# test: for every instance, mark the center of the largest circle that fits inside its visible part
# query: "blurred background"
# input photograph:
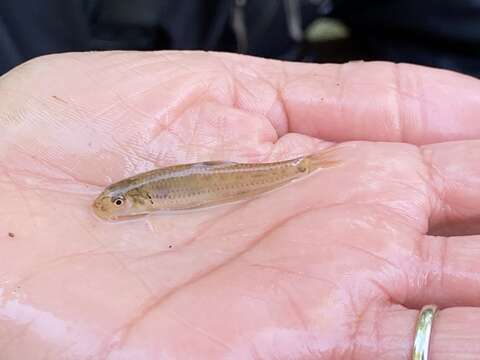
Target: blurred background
(439, 33)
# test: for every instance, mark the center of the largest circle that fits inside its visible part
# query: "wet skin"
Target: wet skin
(335, 266)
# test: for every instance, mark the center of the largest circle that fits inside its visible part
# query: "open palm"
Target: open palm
(334, 266)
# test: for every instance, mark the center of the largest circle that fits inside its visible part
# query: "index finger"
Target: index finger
(372, 101)
(382, 102)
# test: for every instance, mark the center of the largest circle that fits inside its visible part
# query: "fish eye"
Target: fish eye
(118, 201)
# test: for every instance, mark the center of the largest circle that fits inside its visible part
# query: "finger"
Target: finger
(452, 336)
(453, 333)
(382, 101)
(360, 100)
(377, 101)
(441, 270)
(454, 171)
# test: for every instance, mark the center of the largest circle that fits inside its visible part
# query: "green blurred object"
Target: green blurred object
(326, 29)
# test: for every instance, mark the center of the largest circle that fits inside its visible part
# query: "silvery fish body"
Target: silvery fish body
(199, 185)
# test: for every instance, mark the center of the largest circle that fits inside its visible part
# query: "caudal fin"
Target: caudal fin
(323, 159)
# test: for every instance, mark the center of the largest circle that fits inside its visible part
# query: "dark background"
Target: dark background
(439, 33)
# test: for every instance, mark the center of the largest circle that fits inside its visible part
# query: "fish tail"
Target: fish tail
(321, 160)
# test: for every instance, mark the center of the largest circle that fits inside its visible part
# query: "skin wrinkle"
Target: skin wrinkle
(123, 333)
(357, 325)
(94, 116)
(221, 126)
(153, 88)
(383, 289)
(416, 253)
(160, 129)
(403, 218)
(351, 336)
(369, 253)
(422, 113)
(190, 70)
(442, 213)
(85, 70)
(437, 184)
(203, 232)
(122, 66)
(376, 328)
(52, 263)
(235, 83)
(397, 114)
(153, 60)
(70, 104)
(129, 151)
(26, 201)
(239, 85)
(118, 125)
(295, 307)
(135, 70)
(194, 134)
(119, 262)
(291, 272)
(421, 224)
(125, 102)
(61, 259)
(77, 57)
(190, 105)
(30, 175)
(287, 116)
(402, 93)
(376, 325)
(124, 154)
(430, 274)
(279, 99)
(199, 330)
(32, 100)
(256, 298)
(162, 158)
(434, 262)
(443, 258)
(54, 167)
(230, 79)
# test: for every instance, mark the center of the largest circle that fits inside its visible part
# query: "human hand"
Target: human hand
(334, 267)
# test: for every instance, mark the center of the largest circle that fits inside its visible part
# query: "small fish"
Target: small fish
(200, 185)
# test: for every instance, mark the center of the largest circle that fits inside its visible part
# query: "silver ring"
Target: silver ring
(423, 331)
